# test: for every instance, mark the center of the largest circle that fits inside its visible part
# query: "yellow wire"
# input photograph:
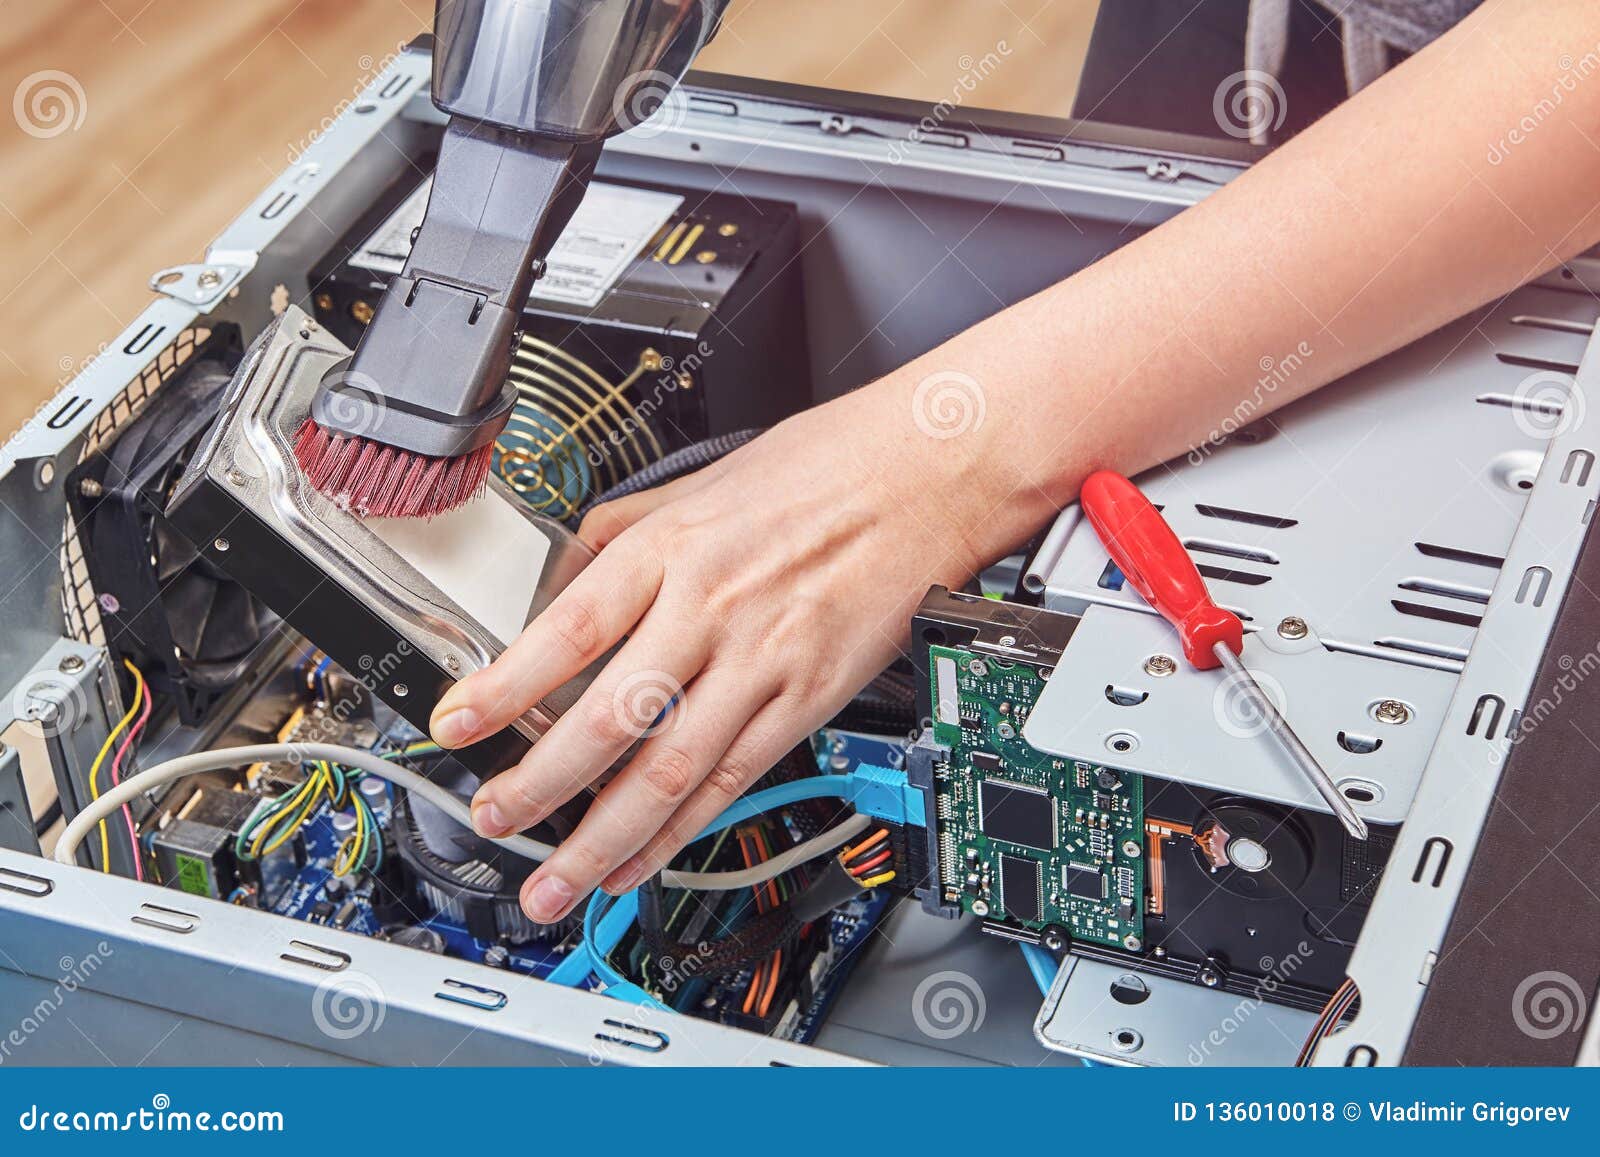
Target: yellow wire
(876, 880)
(94, 770)
(324, 781)
(308, 792)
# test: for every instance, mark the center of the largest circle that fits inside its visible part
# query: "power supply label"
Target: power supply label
(606, 233)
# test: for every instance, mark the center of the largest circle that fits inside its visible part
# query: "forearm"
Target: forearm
(1394, 214)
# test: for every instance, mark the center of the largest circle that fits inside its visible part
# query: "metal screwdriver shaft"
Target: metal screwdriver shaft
(1279, 726)
(1156, 565)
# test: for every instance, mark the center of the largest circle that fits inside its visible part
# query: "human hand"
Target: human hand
(757, 596)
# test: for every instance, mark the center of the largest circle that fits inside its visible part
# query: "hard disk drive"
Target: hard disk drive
(409, 606)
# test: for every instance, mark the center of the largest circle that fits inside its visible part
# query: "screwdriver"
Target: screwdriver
(1156, 565)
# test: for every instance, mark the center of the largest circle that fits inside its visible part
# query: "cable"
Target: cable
(818, 787)
(675, 465)
(48, 820)
(128, 741)
(1042, 965)
(94, 791)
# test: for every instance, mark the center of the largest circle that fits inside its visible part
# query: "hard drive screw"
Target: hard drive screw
(978, 667)
(1293, 627)
(1131, 849)
(980, 908)
(1054, 941)
(208, 279)
(1132, 943)
(1160, 665)
(1008, 640)
(1391, 711)
(89, 488)
(452, 663)
(221, 545)
(71, 665)
(236, 476)
(401, 690)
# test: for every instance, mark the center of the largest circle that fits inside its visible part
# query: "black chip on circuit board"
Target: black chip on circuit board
(1017, 814)
(1086, 883)
(1020, 888)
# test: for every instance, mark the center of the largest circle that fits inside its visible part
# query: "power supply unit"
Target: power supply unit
(664, 316)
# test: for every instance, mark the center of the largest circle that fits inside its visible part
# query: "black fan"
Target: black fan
(185, 624)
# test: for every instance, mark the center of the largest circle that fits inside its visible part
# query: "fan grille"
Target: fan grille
(573, 433)
(79, 607)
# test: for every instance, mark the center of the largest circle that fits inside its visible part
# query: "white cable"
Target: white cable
(186, 765)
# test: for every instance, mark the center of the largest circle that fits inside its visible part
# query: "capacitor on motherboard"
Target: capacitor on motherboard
(376, 793)
(343, 824)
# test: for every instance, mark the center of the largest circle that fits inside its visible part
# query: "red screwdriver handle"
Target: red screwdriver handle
(1154, 562)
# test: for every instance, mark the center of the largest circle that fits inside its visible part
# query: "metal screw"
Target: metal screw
(978, 667)
(1132, 943)
(1008, 640)
(1160, 665)
(1131, 849)
(361, 311)
(401, 690)
(1293, 627)
(89, 488)
(236, 476)
(71, 665)
(1054, 941)
(1391, 711)
(980, 908)
(221, 545)
(208, 279)
(452, 663)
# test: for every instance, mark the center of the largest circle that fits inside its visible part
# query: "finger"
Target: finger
(632, 698)
(767, 738)
(595, 610)
(634, 805)
(605, 522)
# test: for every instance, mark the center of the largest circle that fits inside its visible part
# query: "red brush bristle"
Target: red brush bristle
(378, 481)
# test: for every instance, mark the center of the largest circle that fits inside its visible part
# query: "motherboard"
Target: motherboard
(1053, 845)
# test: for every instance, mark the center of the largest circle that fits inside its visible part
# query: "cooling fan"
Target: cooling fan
(184, 623)
(573, 434)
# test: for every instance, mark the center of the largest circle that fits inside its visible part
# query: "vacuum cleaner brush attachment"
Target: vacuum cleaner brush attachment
(406, 428)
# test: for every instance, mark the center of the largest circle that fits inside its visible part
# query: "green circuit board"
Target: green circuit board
(1026, 838)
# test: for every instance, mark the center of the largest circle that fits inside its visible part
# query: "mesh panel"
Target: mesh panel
(78, 605)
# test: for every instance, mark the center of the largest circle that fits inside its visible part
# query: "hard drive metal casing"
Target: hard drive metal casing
(248, 510)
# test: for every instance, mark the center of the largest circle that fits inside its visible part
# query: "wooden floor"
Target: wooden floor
(177, 112)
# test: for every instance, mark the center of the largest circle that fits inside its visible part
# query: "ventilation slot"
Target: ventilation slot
(1223, 574)
(1437, 614)
(1471, 557)
(1525, 362)
(1271, 521)
(1554, 324)
(1231, 550)
(1419, 647)
(1446, 590)
(1526, 405)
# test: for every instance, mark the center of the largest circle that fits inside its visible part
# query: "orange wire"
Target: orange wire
(772, 982)
(880, 834)
(863, 869)
(755, 984)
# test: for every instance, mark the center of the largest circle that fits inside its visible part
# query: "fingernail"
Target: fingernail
(625, 878)
(547, 901)
(488, 820)
(455, 726)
